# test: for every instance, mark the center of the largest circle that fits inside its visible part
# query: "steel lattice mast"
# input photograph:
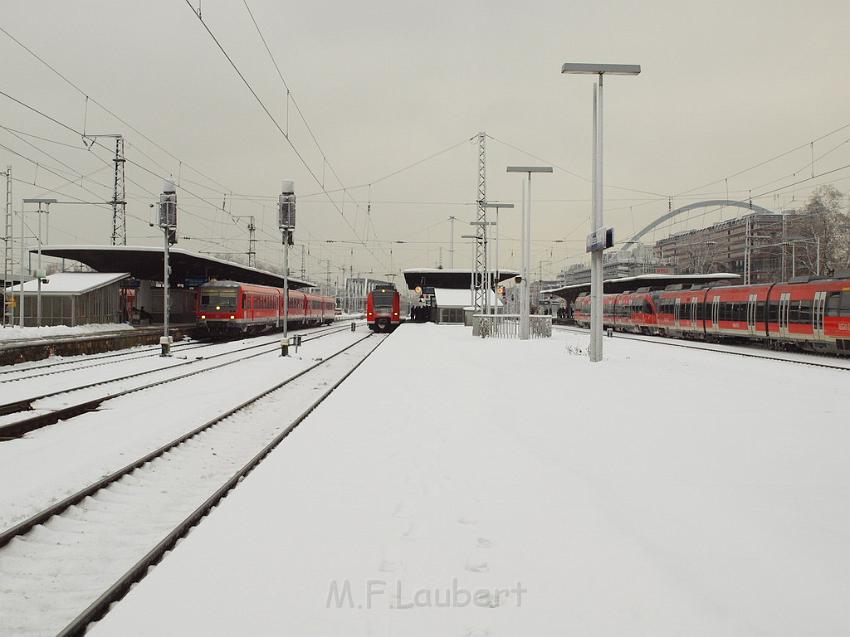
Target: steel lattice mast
(8, 255)
(480, 277)
(119, 194)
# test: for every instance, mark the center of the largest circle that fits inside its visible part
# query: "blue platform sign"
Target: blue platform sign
(194, 281)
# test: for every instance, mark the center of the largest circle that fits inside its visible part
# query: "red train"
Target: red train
(813, 314)
(233, 308)
(383, 305)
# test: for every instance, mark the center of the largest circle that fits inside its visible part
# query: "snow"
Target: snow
(53, 462)
(458, 298)
(666, 491)
(70, 282)
(17, 332)
(63, 565)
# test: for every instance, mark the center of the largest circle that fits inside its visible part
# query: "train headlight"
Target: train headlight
(232, 317)
(203, 317)
(218, 307)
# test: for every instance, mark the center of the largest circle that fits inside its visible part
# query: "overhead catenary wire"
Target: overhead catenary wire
(280, 130)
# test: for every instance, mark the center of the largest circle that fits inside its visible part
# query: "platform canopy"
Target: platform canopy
(652, 281)
(145, 263)
(447, 278)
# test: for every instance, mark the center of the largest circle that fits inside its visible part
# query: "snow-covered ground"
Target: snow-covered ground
(51, 463)
(61, 567)
(666, 491)
(15, 332)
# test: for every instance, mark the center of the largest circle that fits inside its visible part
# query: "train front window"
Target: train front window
(219, 301)
(383, 299)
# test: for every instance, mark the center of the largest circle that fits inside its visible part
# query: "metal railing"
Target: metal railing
(507, 325)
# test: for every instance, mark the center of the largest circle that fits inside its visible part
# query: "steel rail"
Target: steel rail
(23, 426)
(98, 608)
(693, 345)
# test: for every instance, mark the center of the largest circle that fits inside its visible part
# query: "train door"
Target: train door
(694, 302)
(715, 313)
(817, 315)
(784, 306)
(677, 312)
(752, 301)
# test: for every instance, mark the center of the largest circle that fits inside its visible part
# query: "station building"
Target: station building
(71, 298)
(125, 281)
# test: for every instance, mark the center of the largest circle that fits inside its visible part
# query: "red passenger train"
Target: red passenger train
(233, 308)
(812, 314)
(383, 306)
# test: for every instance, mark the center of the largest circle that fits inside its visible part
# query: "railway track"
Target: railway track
(660, 340)
(64, 566)
(135, 354)
(19, 427)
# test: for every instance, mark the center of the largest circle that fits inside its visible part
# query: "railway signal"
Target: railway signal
(286, 223)
(168, 223)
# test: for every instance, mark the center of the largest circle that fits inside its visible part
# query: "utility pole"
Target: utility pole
(327, 276)
(303, 264)
(39, 274)
(119, 196)
(8, 251)
(119, 190)
(252, 239)
(252, 243)
(452, 242)
(480, 264)
(747, 255)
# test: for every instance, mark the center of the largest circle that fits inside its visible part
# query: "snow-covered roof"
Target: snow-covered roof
(457, 298)
(71, 282)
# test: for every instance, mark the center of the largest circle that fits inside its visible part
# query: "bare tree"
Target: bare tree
(820, 233)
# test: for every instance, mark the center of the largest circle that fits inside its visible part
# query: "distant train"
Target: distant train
(383, 307)
(812, 314)
(233, 308)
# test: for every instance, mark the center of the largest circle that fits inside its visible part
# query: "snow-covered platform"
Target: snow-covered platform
(459, 486)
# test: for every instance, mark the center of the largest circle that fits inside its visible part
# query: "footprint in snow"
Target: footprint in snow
(467, 520)
(484, 543)
(477, 567)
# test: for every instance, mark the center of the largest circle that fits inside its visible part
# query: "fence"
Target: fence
(507, 325)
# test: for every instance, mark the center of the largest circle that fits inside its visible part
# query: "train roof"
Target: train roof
(653, 281)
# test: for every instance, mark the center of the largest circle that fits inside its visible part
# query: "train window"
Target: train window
(805, 312)
(773, 312)
(845, 304)
(833, 304)
(759, 312)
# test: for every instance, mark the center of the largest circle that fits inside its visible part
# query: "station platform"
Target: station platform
(34, 348)
(464, 486)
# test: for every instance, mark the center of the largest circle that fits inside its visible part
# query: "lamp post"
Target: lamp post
(497, 205)
(39, 274)
(526, 244)
(168, 223)
(596, 247)
(286, 223)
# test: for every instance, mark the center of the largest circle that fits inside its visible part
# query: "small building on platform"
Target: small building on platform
(449, 305)
(71, 298)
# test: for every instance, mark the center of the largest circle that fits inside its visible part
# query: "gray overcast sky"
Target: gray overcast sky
(724, 86)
